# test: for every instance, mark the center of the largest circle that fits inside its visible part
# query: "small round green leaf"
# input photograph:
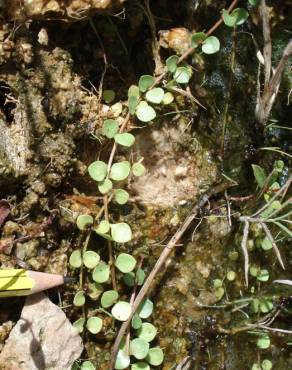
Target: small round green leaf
(109, 298)
(138, 169)
(145, 309)
(121, 311)
(241, 15)
(122, 360)
(101, 273)
(229, 19)
(144, 112)
(83, 221)
(155, 356)
(145, 82)
(79, 299)
(120, 171)
(264, 275)
(147, 332)
(132, 103)
(140, 366)
(103, 227)
(211, 45)
(256, 367)
(109, 128)
(94, 325)
(168, 98)
(266, 244)
(91, 259)
(105, 186)
(121, 196)
(87, 365)
(108, 96)
(95, 290)
(264, 341)
(171, 63)
(136, 322)
(139, 348)
(134, 91)
(125, 262)
(140, 276)
(155, 95)
(125, 139)
(267, 365)
(253, 2)
(198, 38)
(97, 170)
(265, 305)
(182, 75)
(79, 324)
(75, 259)
(121, 232)
(129, 279)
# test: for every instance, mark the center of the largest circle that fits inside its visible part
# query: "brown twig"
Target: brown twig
(160, 262)
(245, 251)
(275, 247)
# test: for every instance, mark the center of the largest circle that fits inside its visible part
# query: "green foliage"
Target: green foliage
(105, 186)
(125, 262)
(145, 309)
(140, 366)
(237, 17)
(91, 259)
(108, 96)
(147, 332)
(168, 98)
(79, 324)
(75, 259)
(182, 75)
(125, 139)
(109, 298)
(155, 356)
(144, 112)
(171, 63)
(97, 170)
(198, 38)
(122, 360)
(101, 272)
(253, 2)
(79, 299)
(121, 232)
(87, 365)
(94, 325)
(120, 171)
(155, 95)
(139, 348)
(145, 82)
(121, 311)
(259, 174)
(264, 341)
(83, 221)
(138, 169)
(121, 196)
(211, 45)
(110, 128)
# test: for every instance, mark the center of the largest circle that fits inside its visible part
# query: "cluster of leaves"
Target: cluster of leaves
(139, 347)
(145, 99)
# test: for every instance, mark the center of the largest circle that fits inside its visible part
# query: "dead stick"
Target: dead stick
(160, 262)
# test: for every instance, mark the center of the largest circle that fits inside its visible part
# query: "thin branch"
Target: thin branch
(275, 247)
(267, 43)
(245, 251)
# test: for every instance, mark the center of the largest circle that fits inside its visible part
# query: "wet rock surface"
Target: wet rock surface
(43, 338)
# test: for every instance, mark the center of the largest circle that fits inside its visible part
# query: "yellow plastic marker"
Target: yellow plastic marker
(20, 282)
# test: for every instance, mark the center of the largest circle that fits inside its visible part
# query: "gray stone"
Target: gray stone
(42, 339)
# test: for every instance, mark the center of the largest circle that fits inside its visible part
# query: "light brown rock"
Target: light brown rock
(43, 338)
